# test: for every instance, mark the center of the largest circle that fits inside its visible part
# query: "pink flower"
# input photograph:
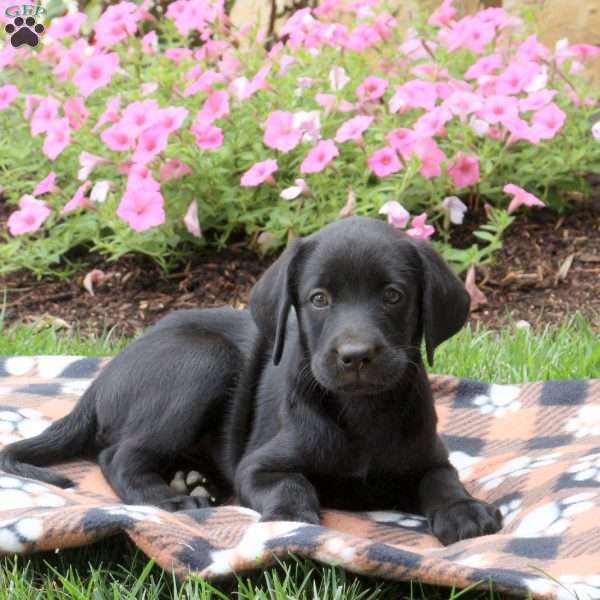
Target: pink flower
(308, 123)
(118, 138)
(443, 15)
(455, 208)
(8, 93)
(67, 26)
(44, 115)
(420, 230)
(190, 220)
(76, 111)
(285, 62)
(596, 130)
(150, 43)
(208, 137)
(516, 77)
(338, 78)
(353, 129)
(47, 185)
(486, 65)
(148, 88)
(243, 89)
(78, 200)
(471, 32)
(116, 23)
(140, 115)
(299, 189)
(499, 109)
(204, 83)
(584, 51)
(371, 89)
(464, 170)
(319, 157)
(402, 140)
(536, 100)
(71, 58)
(520, 197)
(171, 118)
(548, 121)
(58, 137)
(215, 107)
(178, 54)
(31, 103)
(463, 104)
(397, 215)
(430, 155)
(384, 162)
(142, 207)
(96, 72)
(111, 114)
(259, 173)
(532, 50)
(414, 94)
(280, 132)
(173, 169)
(152, 142)
(331, 104)
(29, 218)
(432, 123)
(519, 130)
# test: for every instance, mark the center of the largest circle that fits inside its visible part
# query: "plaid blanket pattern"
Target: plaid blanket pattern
(532, 449)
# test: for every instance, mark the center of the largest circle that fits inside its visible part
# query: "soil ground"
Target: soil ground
(549, 268)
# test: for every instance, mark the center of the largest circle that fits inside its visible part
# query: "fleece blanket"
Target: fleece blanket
(532, 449)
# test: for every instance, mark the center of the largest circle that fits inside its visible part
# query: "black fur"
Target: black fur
(300, 402)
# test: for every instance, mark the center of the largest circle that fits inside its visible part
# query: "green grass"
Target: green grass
(117, 570)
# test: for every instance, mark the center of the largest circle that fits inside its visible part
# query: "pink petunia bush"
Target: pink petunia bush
(152, 132)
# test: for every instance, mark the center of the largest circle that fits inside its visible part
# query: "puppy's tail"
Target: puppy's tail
(71, 436)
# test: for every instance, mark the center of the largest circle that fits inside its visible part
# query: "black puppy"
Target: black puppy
(317, 396)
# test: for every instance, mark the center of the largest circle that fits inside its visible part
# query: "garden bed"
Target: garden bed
(525, 283)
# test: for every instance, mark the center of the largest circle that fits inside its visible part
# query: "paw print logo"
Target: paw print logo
(586, 422)
(500, 400)
(522, 465)
(587, 468)
(17, 534)
(400, 519)
(24, 31)
(133, 511)
(510, 509)
(16, 492)
(553, 518)
(16, 424)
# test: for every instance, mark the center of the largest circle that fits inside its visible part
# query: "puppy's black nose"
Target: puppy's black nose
(355, 355)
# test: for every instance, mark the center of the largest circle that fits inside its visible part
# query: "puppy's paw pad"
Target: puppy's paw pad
(464, 520)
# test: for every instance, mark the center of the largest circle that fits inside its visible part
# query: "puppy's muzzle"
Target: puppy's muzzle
(354, 356)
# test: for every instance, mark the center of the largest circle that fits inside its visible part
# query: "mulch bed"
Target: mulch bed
(549, 267)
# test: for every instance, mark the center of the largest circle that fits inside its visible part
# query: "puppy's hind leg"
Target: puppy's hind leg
(132, 472)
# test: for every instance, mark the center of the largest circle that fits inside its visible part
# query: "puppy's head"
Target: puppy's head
(364, 295)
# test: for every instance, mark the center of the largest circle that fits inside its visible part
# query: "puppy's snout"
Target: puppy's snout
(355, 355)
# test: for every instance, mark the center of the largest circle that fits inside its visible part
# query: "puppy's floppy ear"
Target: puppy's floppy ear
(272, 297)
(445, 301)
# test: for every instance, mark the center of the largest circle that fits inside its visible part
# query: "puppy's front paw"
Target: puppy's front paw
(184, 502)
(464, 520)
(283, 514)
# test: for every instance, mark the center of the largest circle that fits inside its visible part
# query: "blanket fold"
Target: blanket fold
(532, 449)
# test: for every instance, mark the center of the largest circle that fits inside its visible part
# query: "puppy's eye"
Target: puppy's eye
(391, 296)
(319, 300)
